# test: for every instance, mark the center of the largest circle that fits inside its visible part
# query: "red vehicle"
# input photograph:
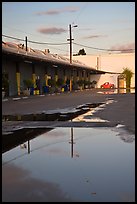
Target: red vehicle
(107, 85)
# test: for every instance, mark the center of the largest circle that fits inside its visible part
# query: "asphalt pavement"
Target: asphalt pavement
(120, 111)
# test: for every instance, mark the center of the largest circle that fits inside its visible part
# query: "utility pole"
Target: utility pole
(70, 44)
(70, 40)
(26, 43)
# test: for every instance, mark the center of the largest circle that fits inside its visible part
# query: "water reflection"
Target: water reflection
(24, 146)
(28, 189)
(20, 136)
(118, 90)
(72, 142)
(52, 171)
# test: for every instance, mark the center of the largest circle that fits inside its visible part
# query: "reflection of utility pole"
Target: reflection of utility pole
(28, 146)
(72, 143)
(24, 146)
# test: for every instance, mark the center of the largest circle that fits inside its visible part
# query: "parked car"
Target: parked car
(107, 85)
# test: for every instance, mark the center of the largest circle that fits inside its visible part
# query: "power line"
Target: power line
(60, 49)
(95, 48)
(42, 43)
(47, 43)
(39, 43)
(13, 37)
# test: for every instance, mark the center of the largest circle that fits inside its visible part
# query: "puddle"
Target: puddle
(20, 135)
(116, 91)
(88, 116)
(53, 115)
(71, 165)
(81, 113)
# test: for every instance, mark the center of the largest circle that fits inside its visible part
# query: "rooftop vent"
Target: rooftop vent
(47, 51)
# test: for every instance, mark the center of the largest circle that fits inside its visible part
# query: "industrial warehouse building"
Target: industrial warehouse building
(20, 64)
(41, 67)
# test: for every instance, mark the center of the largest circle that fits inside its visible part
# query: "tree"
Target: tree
(82, 52)
(128, 75)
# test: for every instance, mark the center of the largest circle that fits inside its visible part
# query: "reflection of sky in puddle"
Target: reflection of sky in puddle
(88, 116)
(80, 164)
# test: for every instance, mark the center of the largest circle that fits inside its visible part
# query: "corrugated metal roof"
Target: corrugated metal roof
(39, 55)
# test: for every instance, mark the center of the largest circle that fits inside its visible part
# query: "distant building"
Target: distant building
(109, 63)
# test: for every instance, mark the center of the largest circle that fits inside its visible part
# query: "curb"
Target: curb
(26, 97)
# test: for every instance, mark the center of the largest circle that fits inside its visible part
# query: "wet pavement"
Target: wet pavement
(78, 147)
(71, 165)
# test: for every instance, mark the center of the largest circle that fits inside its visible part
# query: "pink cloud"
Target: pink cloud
(58, 11)
(94, 36)
(52, 30)
(50, 12)
(124, 48)
(70, 9)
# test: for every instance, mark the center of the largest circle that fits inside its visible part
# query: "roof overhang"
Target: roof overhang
(28, 57)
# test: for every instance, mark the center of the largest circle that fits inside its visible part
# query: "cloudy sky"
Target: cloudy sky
(101, 25)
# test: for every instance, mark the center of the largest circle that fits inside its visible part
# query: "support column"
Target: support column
(34, 79)
(33, 76)
(56, 77)
(71, 80)
(46, 79)
(18, 82)
(18, 78)
(77, 78)
(70, 84)
(65, 78)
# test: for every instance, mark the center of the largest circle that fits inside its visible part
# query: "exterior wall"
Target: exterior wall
(40, 71)
(102, 78)
(110, 63)
(27, 74)
(10, 68)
